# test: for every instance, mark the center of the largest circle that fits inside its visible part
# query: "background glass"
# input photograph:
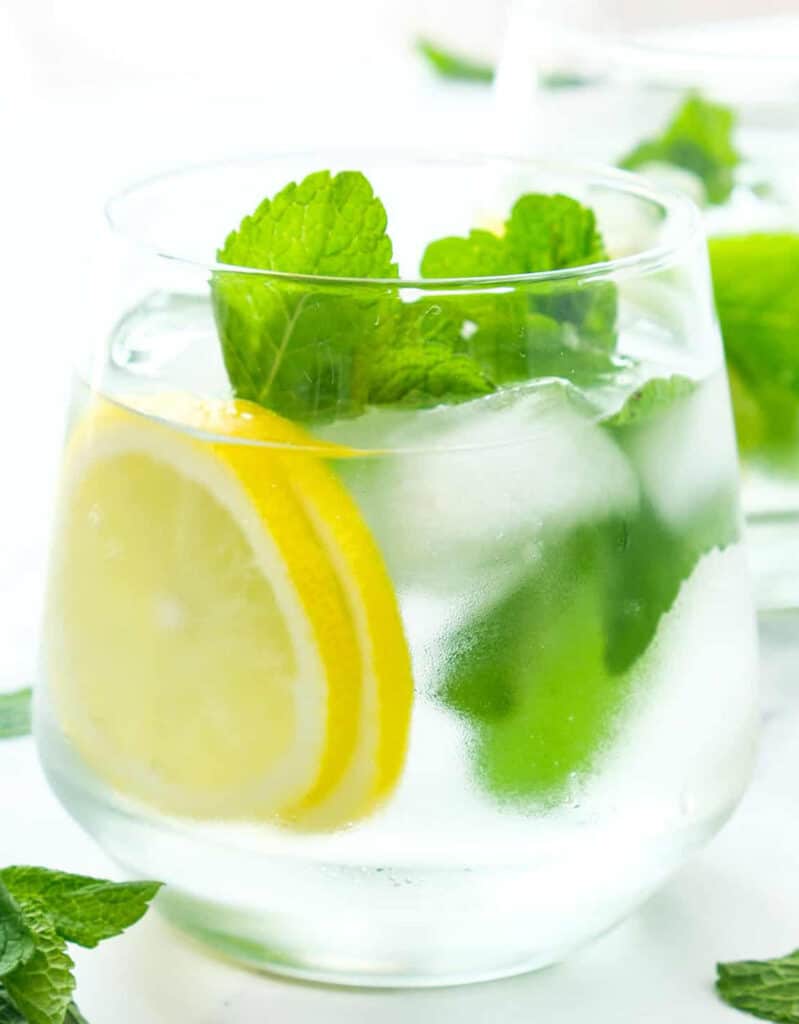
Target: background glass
(571, 585)
(598, 92)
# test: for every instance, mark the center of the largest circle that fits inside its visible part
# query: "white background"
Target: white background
(94, 93)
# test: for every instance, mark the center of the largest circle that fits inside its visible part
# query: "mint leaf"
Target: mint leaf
(41, 988)
(545, 328)
(756, 284)
(15, 714)
(16, 941)
(83, 910)
(452, 65)
(425, 374)
(699, 139)
(9, 1014)
(768, 989)
(552, 232)
(655, 396)
(286, 345)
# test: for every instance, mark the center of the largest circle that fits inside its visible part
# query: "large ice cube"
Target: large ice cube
(476, 486)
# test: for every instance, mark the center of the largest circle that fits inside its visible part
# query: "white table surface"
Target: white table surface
(71, 130)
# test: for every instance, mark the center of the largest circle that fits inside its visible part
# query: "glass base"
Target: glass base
(392, 921)
(773, 546)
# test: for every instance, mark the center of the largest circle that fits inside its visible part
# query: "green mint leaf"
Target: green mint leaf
(429, 374)
(654, 397)
(480, 254)
(452, 65)
(9, 1014)
(15, 714)
(756, 283)
(552, 232)
(699, 139)
(16, 940)
(289, 347)
(547, 328)
(41, 988)
(768, 989)
(82, 910)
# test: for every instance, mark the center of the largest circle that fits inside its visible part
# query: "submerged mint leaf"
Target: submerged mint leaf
(655, 396)
(453, 65)
(41, 988)
(429, 374)
(699, 139)
(16, 940)
(768, 989)
(15, 714)
(83, 910)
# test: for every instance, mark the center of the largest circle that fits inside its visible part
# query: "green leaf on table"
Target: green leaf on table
(41, 988)
(698, 139)
(9, 1014)
(286, 346)
(453, 65)
(16, 940)
(768, 989)
(83, 910)
(15, 713)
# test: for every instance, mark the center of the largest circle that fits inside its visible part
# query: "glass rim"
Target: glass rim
(669, 54)
(676, 206)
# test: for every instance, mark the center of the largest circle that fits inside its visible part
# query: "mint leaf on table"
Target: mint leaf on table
(285, 345)
(42, 987)
(16, 940)
(699, 139)
(452, 65)
(768, 989)
(15, 714)
(42, 910)
(84, 910)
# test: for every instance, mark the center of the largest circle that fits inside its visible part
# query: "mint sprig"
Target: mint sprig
(15, 714)
(768, 989)
(699, 138)
(40, 911)
(316, 351)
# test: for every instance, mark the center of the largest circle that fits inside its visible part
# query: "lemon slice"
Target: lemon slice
(223, 640)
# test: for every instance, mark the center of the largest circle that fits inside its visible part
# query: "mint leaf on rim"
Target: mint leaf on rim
(286, 346)
(768, 989)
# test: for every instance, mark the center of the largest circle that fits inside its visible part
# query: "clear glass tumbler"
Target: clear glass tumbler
(712, 108)
(400, 625)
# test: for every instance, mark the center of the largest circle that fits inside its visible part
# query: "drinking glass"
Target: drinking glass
(418, 684)
(599, 89)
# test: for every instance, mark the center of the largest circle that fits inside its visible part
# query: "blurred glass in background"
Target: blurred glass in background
(704, 97)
